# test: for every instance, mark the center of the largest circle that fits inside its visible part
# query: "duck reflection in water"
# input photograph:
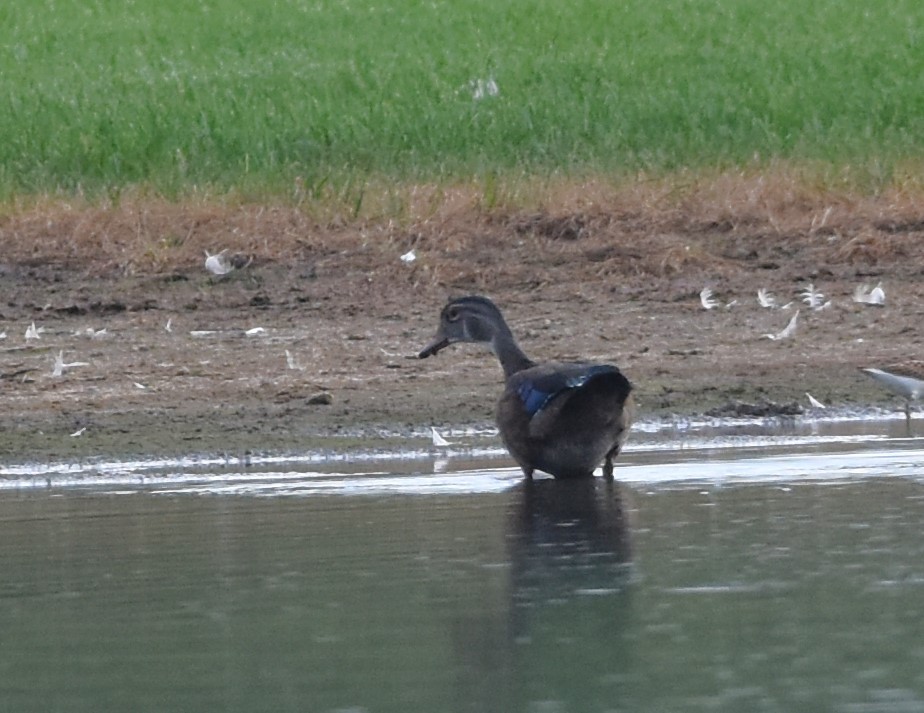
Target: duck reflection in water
(567, 606)
(568, 539)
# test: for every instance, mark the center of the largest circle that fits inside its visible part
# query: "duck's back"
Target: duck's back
(565, 418)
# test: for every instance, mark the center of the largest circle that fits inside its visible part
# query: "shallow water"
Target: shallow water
(755, 568)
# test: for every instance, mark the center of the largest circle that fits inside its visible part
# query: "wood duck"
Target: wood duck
(561, 418)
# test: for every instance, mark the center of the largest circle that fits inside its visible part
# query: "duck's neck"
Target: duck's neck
(511, 357)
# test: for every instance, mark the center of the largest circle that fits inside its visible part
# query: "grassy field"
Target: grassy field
(292, 95)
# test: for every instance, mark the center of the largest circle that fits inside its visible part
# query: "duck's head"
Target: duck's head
(466, 319)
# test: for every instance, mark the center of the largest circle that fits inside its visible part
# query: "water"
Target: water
(759, 571)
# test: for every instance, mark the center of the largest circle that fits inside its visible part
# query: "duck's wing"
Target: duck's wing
(537, 387)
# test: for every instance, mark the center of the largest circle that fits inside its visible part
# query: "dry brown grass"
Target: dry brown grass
(667, 227)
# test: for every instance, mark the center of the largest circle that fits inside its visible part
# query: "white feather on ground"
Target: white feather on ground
(482, 88)
(60, 365)
(438, 440)
(765, 299)
(92, 333)
(292, 361)
(218, 264)
(788, 331)
(864, 295)
(814, 298)
(813, 402)
(707, 300)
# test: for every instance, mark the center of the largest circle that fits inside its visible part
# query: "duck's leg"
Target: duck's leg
(608, 463)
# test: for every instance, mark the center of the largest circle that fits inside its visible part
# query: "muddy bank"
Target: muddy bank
(312, 345)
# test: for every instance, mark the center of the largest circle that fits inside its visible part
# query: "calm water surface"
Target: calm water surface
(765, 579)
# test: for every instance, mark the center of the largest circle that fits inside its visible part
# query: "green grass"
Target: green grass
(96, 95)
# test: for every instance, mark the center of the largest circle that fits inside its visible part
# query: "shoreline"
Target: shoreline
(468, 441)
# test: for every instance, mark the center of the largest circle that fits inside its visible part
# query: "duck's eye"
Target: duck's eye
(453, 314)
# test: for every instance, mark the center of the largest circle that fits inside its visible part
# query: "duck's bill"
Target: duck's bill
(433, 347)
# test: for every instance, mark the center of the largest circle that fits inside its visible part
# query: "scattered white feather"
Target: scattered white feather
(813, 402)
(139, 385)
(814, 298)
(91, 333)
(218, 264)
(409, 257)
(819, 224)
(766, 299)
(202, 332)
(78, 432)
(731, 304)
(707, 300)
(482, 88)
(60, 365)
(877, 296)
(864, 295)
(788, 330)
(438, 440)
(2, 335)
(169, 326)
(292, 361)
(255, 331)
(32, 332)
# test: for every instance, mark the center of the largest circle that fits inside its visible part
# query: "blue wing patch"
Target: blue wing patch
(536, 392)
